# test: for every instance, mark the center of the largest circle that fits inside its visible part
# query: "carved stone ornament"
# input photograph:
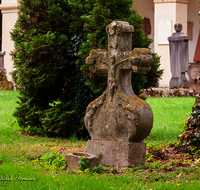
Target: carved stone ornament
(178, 27)
(118, 115)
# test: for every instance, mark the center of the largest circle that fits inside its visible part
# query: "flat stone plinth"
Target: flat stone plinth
(119, 154)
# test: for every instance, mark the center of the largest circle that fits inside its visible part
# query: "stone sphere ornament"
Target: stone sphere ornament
(178, 27)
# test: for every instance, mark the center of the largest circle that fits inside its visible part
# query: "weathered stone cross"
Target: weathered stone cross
(118, 121)
(119, 56)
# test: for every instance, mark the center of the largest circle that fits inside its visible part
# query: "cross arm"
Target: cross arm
(97, 61)
(140, 60)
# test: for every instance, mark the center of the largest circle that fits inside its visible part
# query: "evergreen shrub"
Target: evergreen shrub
(53, 94)
(51, 37)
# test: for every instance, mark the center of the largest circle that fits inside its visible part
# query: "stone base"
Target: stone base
(119, 154)
(166, 92)
(178, 82)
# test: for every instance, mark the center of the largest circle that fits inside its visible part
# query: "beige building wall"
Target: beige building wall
(193, 9)
(9, 10)
(146, 9)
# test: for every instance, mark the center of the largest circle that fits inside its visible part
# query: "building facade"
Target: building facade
(159, 19)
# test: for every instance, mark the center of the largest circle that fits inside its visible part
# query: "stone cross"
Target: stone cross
(118, 120)
(119, 56)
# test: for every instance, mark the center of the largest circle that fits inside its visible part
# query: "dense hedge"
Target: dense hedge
(51, 37)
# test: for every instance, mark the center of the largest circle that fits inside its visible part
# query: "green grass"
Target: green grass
(17, 150)
(170, 115)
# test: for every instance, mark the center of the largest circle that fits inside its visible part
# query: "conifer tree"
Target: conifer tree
(52, 99)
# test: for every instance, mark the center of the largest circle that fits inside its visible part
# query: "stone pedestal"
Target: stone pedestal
(119, 154)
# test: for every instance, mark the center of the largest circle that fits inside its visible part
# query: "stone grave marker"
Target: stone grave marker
(118, 120)
(179, 57)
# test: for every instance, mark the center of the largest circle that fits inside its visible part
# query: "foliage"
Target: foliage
(84, 166)
(45, 69)
(102, 14)
(52, 160)
(66, 114)
(190, 138)
(83, 163)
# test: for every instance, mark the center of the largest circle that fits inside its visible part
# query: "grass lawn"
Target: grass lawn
(170, 115)
(18, 153)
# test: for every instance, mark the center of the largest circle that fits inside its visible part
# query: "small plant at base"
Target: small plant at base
(112, 170)
(139, 166)
(156, 152)
(97, 169)
(154, 165)
(149, 156)
(83, 163)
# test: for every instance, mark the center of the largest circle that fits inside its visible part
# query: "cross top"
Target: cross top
(120, 59)
(119, 36)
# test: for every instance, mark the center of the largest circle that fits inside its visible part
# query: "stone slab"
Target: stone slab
(119, 154)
